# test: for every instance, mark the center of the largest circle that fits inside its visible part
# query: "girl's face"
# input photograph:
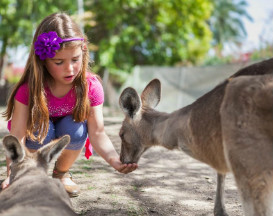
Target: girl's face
(65, 65)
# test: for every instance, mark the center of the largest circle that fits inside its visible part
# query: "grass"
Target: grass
(87, 167)
(76, 172)
(3, 163)
(137, 187)
(135, 211)
(85, 161)
(83, 212)
(115, 202)
(88, 175)
(91, 188)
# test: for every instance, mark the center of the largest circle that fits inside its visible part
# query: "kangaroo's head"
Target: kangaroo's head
(24, 161)
(135, 132)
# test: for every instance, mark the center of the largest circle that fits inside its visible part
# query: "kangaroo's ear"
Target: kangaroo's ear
(54, 148)
(150, 96)
(129, 102)
(14, 150)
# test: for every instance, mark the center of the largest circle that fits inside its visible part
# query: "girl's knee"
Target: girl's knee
(76, 145)
(30, 144)
(76, 130)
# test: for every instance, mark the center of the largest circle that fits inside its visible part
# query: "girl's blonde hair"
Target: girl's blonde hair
(36, 75)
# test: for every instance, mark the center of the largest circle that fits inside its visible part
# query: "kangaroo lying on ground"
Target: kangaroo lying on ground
(31, 191)
(197, 130)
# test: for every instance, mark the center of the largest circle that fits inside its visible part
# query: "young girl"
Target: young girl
(56, 95)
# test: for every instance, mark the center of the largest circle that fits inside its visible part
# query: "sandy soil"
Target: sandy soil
(166, 183)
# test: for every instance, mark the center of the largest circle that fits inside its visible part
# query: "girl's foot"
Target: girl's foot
(70, 186)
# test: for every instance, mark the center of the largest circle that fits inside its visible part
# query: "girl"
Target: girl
(56, 96)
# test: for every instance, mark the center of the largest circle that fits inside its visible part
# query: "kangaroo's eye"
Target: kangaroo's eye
(121, 134)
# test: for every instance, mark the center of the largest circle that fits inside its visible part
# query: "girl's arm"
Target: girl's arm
(101, 142)
(19, 121)
(18, 129)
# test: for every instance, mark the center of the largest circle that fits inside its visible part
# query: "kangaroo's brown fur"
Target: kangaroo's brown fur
(247, 130)
(196, 129)
(31, 191)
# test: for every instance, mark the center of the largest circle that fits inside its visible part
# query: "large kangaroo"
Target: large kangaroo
(195, 129)
(247, 131)
(31, 191)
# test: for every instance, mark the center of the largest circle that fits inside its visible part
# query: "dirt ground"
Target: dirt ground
(166, 183)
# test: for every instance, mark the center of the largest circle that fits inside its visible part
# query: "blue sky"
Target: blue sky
(260, 28)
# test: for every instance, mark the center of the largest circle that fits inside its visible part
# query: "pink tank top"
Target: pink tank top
(59, 107)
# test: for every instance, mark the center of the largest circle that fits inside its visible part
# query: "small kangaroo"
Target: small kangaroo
(195, 129)
(31, 191)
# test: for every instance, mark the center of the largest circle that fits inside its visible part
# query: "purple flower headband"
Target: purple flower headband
(47, 44)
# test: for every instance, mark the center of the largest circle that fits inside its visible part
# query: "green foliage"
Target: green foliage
(226, 22)
(215, 60)
(3, 163)
(263, 53)
(126, 33)
(18, 19)
(12, 74)
(255, 55)
(149, 32)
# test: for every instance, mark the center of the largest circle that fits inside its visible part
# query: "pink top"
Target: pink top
(59, 107)
(63, 106)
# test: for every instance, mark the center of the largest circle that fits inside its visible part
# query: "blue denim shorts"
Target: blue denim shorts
(62, 126)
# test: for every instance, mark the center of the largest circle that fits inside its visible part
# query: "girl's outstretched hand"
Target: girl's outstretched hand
(122, 168)
(5, 183)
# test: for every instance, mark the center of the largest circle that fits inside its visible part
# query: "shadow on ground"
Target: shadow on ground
(166, 183)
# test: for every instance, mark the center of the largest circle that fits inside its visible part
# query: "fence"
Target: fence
(181, 85)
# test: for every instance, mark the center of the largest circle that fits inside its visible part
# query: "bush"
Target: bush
(13, 74)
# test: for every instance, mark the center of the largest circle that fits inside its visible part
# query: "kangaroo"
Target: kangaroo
(31, 191)
(194, 129)
(247, 131)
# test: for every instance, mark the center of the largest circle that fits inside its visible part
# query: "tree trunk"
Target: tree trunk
(3, 60)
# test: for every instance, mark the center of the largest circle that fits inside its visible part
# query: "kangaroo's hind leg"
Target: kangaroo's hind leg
(255, 187)
(219, 206)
